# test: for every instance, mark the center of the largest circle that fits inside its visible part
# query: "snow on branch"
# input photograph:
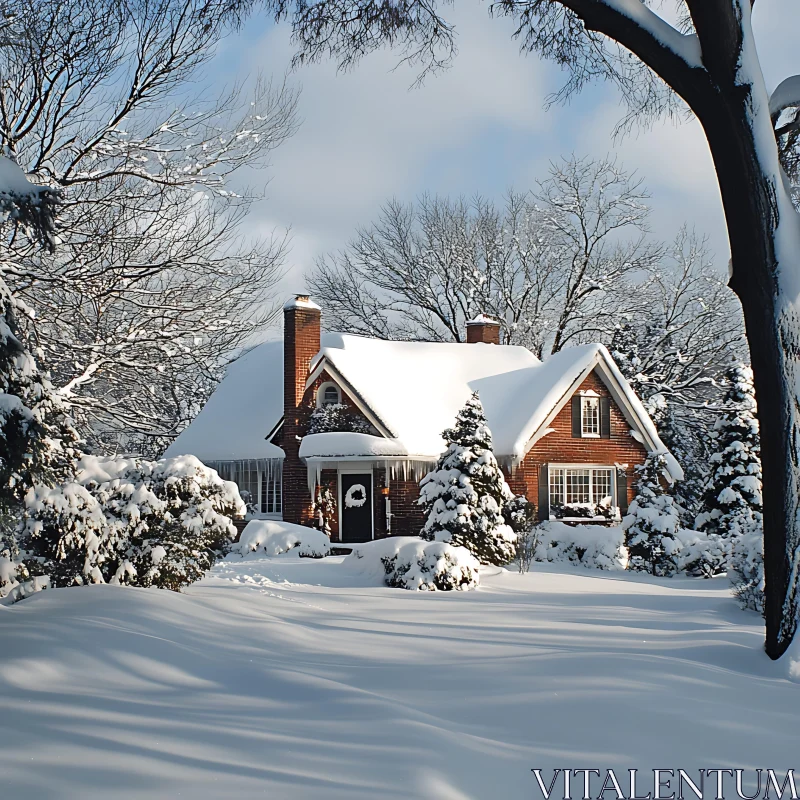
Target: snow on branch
(30, 205)
(786, 95)
(685, 46)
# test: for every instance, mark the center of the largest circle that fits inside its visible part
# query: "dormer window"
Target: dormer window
(328, 395)
(590, 417)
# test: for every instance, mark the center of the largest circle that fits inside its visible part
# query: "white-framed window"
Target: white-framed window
(260, 483)
(582, 486)
(271, 493)
(328, 394)
(590, 416)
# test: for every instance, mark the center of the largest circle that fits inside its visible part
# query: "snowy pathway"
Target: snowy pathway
(289, 678)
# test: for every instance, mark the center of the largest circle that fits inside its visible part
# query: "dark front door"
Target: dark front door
(356, 500)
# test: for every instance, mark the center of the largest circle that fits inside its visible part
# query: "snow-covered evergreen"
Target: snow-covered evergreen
(127, 520)
(652, 522)
(732, 500)
(465, 494)
(37, 440)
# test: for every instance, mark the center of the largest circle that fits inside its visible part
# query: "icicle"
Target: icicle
(314, 476)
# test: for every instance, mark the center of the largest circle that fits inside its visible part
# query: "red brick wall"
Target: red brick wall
(560, 447)
(488, 333)
(407, 516)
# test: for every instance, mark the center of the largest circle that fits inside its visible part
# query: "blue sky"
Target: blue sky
(480, 127)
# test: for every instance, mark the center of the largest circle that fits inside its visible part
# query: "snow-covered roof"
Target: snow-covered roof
(411, 392)
(350, 445)
(415, 389)
(240, 412)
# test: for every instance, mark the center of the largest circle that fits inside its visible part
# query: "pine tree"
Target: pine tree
(652, 521)
(464, 496)
(732, 500)
(38, 443)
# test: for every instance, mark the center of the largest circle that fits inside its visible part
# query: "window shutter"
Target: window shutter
(576, 416)
(605, 418)
(622, 492)
(544, 493)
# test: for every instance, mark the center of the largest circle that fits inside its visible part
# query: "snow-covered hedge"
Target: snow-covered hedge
(595, 546)
(601, 547)
(407, 562)
(127, 520)
(273, 537)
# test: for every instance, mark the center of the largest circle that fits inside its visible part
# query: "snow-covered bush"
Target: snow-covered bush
(581, 511)
(407, 562)
(597, 546)
(127, 520)
(746, 569)
(337, 418)
(273, 537)
(465, 494)
(701, 555)
(652, 522)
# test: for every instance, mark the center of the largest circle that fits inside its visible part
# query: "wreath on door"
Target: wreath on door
(350, 499)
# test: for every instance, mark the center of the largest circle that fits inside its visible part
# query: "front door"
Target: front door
(356, 506)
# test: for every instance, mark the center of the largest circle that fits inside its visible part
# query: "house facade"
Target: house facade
(363, 418)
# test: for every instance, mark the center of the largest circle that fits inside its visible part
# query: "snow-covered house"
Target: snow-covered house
(568, 430)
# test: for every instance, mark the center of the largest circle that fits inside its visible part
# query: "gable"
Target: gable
(558, 442)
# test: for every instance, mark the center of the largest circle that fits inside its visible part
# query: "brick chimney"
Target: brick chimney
(483, 329)
(301, 342)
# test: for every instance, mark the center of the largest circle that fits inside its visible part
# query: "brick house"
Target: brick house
(568, 431)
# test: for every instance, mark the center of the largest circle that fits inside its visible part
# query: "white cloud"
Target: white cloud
(478, 128)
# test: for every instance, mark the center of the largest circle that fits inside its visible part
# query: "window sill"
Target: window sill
(590, 435)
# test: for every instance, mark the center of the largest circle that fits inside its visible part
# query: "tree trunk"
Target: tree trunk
(755, 204)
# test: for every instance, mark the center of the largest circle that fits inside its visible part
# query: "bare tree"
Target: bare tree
(709, 61)
(686, 331)
(548, 266)
(151, 285)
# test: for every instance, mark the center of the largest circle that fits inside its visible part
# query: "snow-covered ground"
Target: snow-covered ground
(292, 678)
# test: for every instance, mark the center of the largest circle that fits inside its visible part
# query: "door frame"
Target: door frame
(351, 471)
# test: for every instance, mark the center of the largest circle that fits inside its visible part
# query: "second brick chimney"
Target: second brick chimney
(301, 342)
(483, 329)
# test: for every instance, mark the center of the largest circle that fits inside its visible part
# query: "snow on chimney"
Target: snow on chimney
(483, 329)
